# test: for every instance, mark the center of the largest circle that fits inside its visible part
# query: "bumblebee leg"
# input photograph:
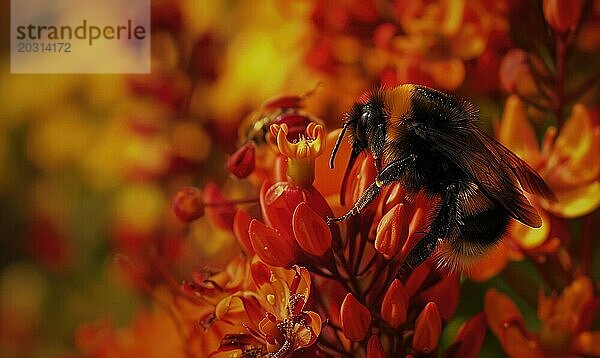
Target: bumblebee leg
(365, 199)
(444, 220)
(389, 174)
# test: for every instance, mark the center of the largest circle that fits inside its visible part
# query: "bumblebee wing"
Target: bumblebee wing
(529, 179)
(494, 168)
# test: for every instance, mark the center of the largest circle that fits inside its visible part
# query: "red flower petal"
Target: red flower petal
(272, 247)
(470, 337)
(311, 231)
(374, 348)
(445, 293)
(391, 232)
(428, 328)
(355, 318)
(395, 304)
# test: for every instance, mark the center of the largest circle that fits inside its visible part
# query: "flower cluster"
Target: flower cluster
(359, 301)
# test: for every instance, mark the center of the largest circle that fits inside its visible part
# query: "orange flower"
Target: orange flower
(301, 153)
(565, 161)
(565, 321)
(358, 261)
(276, 321)
(425, 42)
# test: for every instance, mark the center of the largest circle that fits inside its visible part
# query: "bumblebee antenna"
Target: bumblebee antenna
(337, 145)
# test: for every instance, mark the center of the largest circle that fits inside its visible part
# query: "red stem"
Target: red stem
(561, 50)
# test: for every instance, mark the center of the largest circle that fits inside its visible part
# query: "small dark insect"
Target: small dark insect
(255, 128)
(428, 140)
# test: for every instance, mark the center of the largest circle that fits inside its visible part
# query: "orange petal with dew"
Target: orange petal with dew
(311, 231)
(272, 247)
(315, 325)
(269, 327)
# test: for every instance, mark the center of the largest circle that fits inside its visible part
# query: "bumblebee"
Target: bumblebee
(429, 141)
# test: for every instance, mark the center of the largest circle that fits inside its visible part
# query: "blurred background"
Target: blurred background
(88, 163)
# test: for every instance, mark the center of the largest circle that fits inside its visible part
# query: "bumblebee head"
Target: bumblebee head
(361, 123)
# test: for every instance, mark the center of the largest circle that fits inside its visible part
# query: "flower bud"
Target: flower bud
(445, 293)
(395, 304)
(355, 318)
(241, 162)
(470, 336)
(562, 15)
(427, 329)
(391, 232)
(310, 230)
(374, 348)
(272, 247)
(187, 204)
(279, 201)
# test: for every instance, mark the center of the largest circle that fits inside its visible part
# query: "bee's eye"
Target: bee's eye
(362, 125)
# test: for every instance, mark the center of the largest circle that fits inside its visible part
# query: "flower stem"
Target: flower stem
(561, 52)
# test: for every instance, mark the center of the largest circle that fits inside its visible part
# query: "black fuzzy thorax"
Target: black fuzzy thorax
(430, 110)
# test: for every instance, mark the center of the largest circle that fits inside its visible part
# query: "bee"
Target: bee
(429, 141)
